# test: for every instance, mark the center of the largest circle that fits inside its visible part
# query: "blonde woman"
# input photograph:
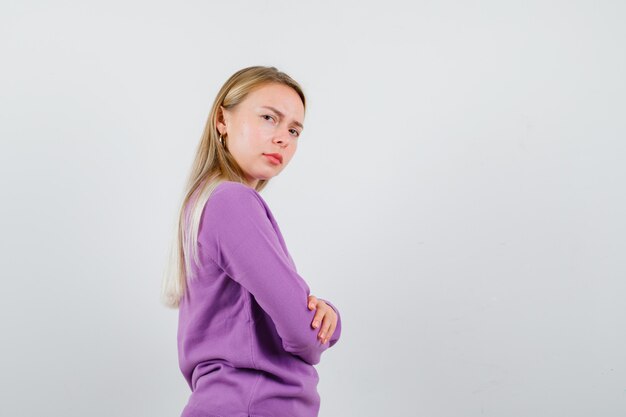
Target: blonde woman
(249, 331)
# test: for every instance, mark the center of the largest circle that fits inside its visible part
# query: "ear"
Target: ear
(220, 120)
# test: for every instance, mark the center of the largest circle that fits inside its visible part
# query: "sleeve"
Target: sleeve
(240, 238)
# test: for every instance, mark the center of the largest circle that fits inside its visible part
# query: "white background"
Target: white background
(458, 193)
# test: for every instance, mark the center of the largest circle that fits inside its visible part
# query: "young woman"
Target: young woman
(249, 331)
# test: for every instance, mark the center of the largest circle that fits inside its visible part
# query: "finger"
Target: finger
(331, 331)
(317, 319)
(319, 315)
(325, 327)
(332, 319)
(312, 302)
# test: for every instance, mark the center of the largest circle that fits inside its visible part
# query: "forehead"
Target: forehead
(283, 98)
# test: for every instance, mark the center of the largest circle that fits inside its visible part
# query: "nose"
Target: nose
(283, 138)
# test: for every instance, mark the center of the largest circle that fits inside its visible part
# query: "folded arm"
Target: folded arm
(238, 235)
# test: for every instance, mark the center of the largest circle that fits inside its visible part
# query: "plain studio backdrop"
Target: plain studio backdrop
(458, 192)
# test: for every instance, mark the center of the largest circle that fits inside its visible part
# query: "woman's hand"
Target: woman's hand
(325, 316)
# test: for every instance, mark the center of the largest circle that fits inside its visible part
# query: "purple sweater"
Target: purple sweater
(245, 342)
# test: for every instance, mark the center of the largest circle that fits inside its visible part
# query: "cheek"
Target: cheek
(292, 151)
(245, 129)
(256, 132)
(249, 136)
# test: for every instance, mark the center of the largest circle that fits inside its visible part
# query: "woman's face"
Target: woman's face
(268, 121)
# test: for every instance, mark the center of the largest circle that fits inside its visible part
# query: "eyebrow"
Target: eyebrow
(282, 115)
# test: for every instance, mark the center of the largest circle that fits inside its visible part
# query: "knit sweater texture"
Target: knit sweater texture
(246, 346)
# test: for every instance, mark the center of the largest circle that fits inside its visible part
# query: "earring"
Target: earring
(222, 140)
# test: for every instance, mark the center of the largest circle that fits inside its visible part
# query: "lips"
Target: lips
(275, 155)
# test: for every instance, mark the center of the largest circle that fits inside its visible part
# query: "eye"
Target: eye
(296, 132)
(267, 116)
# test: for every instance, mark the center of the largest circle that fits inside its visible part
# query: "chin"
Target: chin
(266, 173)
(271, 173)
(265, 177)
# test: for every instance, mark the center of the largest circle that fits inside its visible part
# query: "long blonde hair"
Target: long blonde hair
(213, 164)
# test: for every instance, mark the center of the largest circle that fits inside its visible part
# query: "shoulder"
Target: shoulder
(232, 211)
(233, 196)
(232, 189)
